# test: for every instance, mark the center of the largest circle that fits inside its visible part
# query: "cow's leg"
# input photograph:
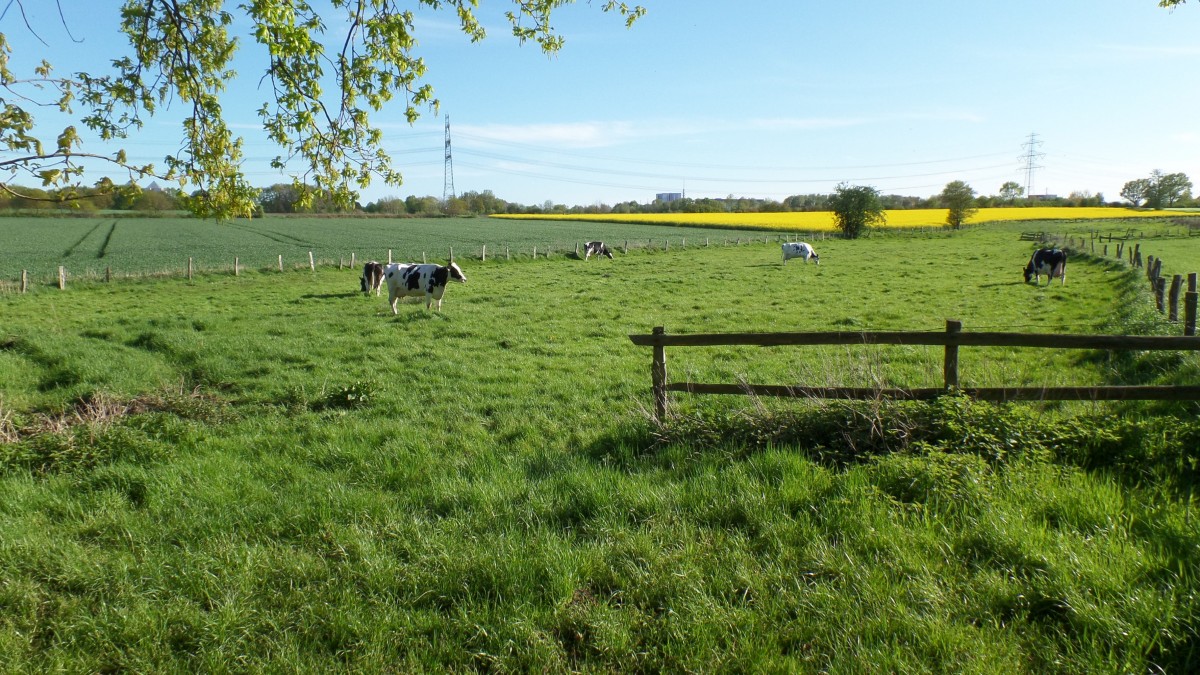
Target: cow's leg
(392, 298)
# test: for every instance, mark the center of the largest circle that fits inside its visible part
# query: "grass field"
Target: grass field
(272, 473)
(139, 246)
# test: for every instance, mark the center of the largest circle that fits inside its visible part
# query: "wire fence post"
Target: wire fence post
(950, 368)
(1173, 298)
(658, 376)
(1189, 306)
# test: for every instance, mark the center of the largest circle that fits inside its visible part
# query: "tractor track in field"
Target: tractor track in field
(107, 239)
(279, 237)
(71, 249)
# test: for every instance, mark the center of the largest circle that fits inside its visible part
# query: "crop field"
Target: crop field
(822, 221)
(272, 472)
(139, 246)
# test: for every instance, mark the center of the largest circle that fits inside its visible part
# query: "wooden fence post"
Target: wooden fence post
(1189, 307)
(1173, 298)
(352, 265)
(451, 256)
(576, 249)
(658, 376)
(507, 253)
(107, 273)
(950, 368)
(311, 265)
(189, 269)
(235, 265)
(483, 255)
(626, 246)
(1160, 293)
(281, 262)
(24, 280)
(535, 253)
(62, 277)
(423, 260)
(389, 256)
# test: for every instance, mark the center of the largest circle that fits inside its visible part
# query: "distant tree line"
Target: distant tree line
(1158, 191)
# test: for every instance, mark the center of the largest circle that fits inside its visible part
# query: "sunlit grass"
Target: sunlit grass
(820, 221)
(186, 487)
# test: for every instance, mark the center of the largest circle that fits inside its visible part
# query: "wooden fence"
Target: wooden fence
(951, 340)
(482, 253)
(1167, 295)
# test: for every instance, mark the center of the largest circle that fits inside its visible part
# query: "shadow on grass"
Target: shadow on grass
(329, 296)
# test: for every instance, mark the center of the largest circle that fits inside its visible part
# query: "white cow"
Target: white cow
(1051, 262)
(800, 250)
(404, 279)
(596, 248)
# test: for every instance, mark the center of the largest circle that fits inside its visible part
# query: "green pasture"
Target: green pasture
(271, 472)
(88, 247)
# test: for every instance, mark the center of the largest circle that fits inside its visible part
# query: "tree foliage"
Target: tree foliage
(1011, 191)
(959, 200)
(856, 209)
(328, 72)
(1159, 190)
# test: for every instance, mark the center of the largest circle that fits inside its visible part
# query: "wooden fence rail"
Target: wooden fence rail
(951, 340)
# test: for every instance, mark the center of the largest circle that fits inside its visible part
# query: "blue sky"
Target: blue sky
(762, 98)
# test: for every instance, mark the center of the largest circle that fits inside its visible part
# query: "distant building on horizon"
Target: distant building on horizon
(668, 197)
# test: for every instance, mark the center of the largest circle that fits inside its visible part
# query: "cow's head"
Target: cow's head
(456, 273)
(816, 258)
(604, 250)
(1028, 271)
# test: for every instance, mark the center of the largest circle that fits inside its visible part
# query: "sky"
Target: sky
(758, 99)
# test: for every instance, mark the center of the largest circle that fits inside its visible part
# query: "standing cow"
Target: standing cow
(1049, 261)
(372, 278)
(595, 248)
(421, 279)
(800, 249)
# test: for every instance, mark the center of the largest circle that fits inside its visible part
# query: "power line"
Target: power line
(448, 186)
(1029, 159)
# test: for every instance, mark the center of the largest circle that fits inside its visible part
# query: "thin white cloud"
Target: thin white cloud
(566, 134)
(1154, 51)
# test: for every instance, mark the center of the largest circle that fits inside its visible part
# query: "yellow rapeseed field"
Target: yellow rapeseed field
(817, 221)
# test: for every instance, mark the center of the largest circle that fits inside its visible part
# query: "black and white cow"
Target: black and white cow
(372, 278)
(404, 279)
(595, 248)
(1049, 261)
(800, 249)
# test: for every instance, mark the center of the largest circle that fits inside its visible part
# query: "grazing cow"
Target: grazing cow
(1049, 261)
(595, 248)
(372, 278)
(800, 250)
(420, 279)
